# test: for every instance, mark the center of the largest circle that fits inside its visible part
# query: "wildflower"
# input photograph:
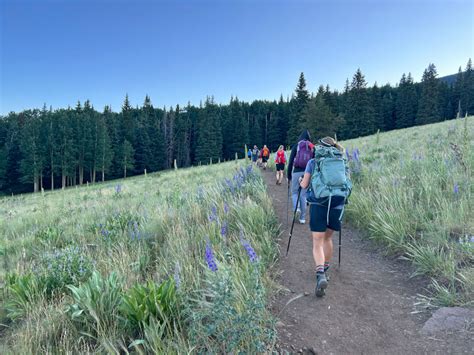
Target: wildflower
(135, 232)
(250, 251)
(248, 248)
(355, 155)
(456, 189)
(224, 229)
(347, 154)
(118, 188)
(211, 262)
(213, 215)
(226, 208)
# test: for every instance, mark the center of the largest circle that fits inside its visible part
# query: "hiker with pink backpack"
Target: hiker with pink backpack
(301, 153)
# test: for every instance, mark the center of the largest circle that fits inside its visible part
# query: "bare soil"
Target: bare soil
(368, 304)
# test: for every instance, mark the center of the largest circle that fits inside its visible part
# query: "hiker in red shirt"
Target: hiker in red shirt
(280, 161)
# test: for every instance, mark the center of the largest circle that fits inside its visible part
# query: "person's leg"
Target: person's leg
(328, 246)
(318, 256)
(318, 248)
(328, 250)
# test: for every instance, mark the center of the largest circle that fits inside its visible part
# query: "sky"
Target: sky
(56, 52)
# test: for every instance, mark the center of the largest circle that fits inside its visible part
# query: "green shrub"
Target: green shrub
(22, 293)
(95, 310)
(142, 303)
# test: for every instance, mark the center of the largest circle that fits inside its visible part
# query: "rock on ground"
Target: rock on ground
(449, 319)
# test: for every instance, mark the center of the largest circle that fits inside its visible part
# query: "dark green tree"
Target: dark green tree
(359, 114)
(428, 106)
(298, 106)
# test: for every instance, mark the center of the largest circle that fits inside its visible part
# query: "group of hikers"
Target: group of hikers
(318, 176)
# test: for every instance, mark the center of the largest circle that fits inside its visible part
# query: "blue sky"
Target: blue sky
(58, 52)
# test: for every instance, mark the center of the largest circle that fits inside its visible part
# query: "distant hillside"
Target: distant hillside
(449, 79)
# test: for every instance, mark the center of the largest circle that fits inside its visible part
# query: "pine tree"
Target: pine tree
(376, 98)
(359, 113)
(209, 140)
(406, 103)
(31, 165)
(428, 106)
(457, 89)
(319, 118)
(467, 89)
(104, 147)
(297, 108)
(127, 157)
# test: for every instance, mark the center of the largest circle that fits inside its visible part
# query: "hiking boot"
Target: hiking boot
(298, 212)
(326, 273)
(302, 221)
(321, 284)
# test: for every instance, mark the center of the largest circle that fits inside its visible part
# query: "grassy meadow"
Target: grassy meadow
(171, 263)
(413, 193)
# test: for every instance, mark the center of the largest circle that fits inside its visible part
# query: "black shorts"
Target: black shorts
(280, 167)
(319, 214)
(264, 159)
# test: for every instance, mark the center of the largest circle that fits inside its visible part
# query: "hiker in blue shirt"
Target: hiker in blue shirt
(325, 212)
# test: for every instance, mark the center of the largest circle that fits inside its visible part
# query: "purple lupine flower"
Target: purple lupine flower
(347, 154)
(211, 262)
(213, 215)
(355, 155)
(248, 248)
(224, 229)
(226, 208)
(135, 232)
(456, 189)
(118, 188)
(250, 251)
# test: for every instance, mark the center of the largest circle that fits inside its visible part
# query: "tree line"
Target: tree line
(49, 149)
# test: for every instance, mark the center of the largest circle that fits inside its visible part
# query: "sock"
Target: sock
(326, 266)
(320, 269)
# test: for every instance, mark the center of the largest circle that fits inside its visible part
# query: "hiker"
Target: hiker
(255, 153)
(327, 179)
(265, 156)
(249, 154)
(280, 161)
(259, 161)
(300, 154)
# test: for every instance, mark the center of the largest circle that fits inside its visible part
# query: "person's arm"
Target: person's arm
(304, 183)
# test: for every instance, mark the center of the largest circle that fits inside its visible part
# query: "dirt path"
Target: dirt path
(368, 303)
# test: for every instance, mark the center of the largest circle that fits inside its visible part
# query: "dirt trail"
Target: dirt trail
(368, 303)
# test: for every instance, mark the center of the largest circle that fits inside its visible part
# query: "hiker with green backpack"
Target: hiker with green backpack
(328, 181)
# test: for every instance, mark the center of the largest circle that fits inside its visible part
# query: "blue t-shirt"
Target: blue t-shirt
(310, 166)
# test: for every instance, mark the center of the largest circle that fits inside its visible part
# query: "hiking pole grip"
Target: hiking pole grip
(293, 223)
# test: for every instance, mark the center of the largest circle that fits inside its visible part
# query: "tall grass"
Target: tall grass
(413, 192)
(126, 266)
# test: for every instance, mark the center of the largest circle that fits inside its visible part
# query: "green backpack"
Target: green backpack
(331, 175)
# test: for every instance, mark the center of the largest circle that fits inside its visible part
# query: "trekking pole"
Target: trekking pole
(340, 242)
(288, 206)
(293, 223)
